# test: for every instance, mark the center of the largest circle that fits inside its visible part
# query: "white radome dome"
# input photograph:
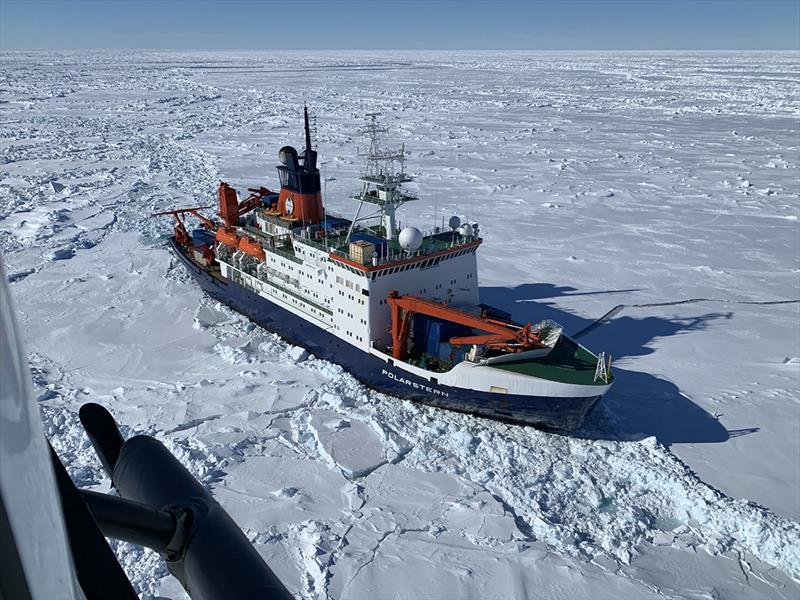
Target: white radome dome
(410, 239)
(466, 230)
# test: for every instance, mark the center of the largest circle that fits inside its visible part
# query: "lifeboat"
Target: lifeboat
(244, 243)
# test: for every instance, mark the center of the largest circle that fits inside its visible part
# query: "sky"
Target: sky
(406, 24)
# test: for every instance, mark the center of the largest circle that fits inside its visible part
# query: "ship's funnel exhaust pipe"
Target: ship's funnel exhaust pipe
(206, 552)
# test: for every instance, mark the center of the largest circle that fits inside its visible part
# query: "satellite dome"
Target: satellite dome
(454, 222)
(410, 239)
(284, 152)
(465, 230)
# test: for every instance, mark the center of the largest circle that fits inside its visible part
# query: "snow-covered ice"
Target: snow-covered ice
(665, 185)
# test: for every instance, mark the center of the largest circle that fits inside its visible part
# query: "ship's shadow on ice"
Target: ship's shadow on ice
(640, 404)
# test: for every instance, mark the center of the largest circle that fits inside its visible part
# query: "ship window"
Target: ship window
(365, 292)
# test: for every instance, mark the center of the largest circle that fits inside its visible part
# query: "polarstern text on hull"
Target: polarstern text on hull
(414, 384)
(399, 309)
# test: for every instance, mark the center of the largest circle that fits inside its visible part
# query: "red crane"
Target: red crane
(181, 235)
(229, 207)
(501, 335)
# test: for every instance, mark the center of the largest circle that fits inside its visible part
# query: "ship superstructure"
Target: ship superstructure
(400, 309)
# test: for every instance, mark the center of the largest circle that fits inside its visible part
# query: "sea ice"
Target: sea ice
(605, 184)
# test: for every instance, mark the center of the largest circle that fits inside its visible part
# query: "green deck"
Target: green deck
(566, 363)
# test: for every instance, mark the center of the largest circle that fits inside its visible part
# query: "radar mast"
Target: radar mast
(382, 179)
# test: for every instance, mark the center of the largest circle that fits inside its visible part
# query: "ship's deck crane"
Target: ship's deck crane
(181, 235)
(500, 335)
(230, 209)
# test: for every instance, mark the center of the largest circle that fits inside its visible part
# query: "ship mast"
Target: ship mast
(382, 178)
(309, 164)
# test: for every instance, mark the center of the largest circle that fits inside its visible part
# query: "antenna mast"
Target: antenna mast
(308, 160)
(382, 177)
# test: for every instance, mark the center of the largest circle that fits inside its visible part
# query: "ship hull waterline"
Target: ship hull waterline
(541, 411)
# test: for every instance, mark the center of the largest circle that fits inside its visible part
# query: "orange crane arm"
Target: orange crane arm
(435, 309)
(181, 235)
(207, 223)
(504, 335)
(481, 340)
(229, 207)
